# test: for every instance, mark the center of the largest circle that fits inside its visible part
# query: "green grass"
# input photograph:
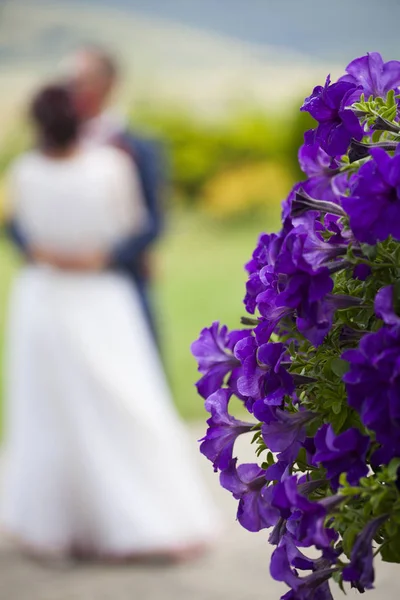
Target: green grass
(200, 280)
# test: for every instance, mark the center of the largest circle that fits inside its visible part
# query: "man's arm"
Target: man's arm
(150, 163)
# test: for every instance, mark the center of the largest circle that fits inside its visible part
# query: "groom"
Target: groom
(93, 75)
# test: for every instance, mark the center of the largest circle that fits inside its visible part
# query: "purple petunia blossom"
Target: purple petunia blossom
(267, 301)
(283, 432)
(223, 430)
(337, 124)
(374, 202)
(384, 306)
(305, 519)
(375, 77)
(264, 375)
(315, 250)
(248, 484)
(304, 287)
(302, 203)
(261, 273)
(278, 471)
(214, 354)
(344, 453)
(337, 231)
(303, 281)
(373, 387)
(303, 588)
(268, 248)
(361, 272)
(321, 592)
(324, 180)
(360, 570)
(254, 287)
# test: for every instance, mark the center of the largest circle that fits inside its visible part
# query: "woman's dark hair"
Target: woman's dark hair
(53, 112)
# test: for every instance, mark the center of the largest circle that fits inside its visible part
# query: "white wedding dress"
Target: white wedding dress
(96, 457)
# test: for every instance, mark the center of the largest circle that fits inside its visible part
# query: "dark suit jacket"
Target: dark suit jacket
(149, 160)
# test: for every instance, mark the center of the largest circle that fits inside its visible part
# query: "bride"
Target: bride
(97, 462)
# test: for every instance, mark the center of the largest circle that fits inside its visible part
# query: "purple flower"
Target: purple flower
(373, 386)
(214, 354)
(277, 471)
(282, 431)
(337, 124)
(302, 203)
(306, 246)
(305, 519)
(375, 77)
(314, 161)
(303, 272)
(344, 453)
(264, 375)
(384, 306)
(248, 484)
(324, 180)
(303, 588)
(374, 202)
(254, 287)
(315, 250)
(223, 429)
(267, 249)
(322, 592)
(261, 272)
(267, 301)
(305, 287)
(360, 570)
(361, 272)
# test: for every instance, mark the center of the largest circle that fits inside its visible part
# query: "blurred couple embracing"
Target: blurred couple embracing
(97, 460)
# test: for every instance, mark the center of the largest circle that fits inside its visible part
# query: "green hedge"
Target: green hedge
(199, 149)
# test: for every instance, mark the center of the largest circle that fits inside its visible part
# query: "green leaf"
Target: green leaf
(391, 527)
(396, 296)
(336, 407)
(377, 499)
(389, 113)
(349, 538)
(390, 551)
(340, 419)
(376, 136)
(369, 251)
(390, 100)
(339, 366)
(393, 468)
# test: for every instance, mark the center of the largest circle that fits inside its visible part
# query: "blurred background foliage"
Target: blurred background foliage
(243, 163)
(231, 166)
